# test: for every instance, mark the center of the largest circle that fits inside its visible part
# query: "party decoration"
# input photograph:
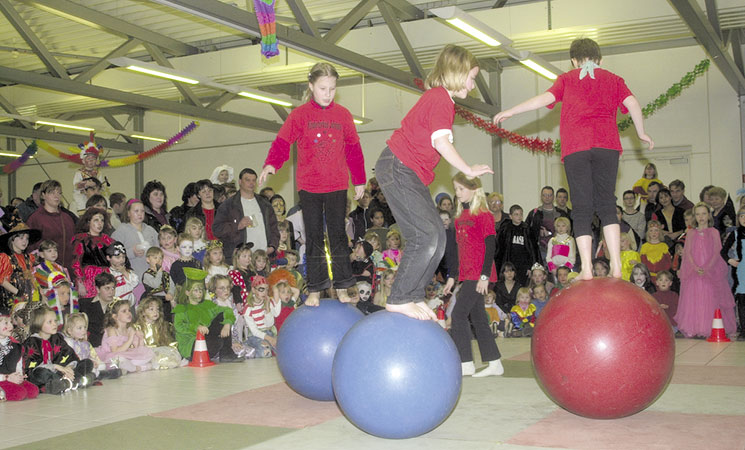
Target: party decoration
(265, 15)
(116, 162)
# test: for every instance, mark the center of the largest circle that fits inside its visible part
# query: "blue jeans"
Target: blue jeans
(263, 348)
(421, 226)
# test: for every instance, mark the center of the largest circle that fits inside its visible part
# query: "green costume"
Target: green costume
(188, 317)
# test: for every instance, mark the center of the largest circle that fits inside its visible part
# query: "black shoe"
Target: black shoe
(231, 358)
(57, 386)
(741, 337)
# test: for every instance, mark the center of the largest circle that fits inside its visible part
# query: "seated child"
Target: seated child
(16, 264)
(654, 253)
(126, 278)
(432, 294)
(363, 267)
(629, 256)
(293, 258)
(667, 298)
(76, 336)
(377, 256)
(220, 288)
(158, 282)
(392, 254)
(186, 259)
(193, 314)
(539, 275)
(377, 227)
(95, 308)
(194, 229)
(260, 263)
(540, 298)
(497, 317)
(13, 385)
(600, 268)
(522, 315)
(562, 280)
(640, 277)
(60, 296)
(158, 334)
(214, 261)
(259, 313)
(285, 293)
(121, 344)
(241, 274)
(49, 362)
(46, 263)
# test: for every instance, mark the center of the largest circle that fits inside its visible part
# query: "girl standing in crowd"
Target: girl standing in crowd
(474, 228)
(641, 185)
(590, 97)
(406, 168)
(16, 265)
(703, 280)
(88, 248)
(328, 148)
(126, 279)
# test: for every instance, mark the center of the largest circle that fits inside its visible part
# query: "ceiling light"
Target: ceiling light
(74, 126)
(471, 26)
(12, 155)
(148, 138)
(537, 64)
(154, 70)
(264, 98)
(63, 125)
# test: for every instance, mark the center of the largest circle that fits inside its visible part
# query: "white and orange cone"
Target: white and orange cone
(201, 357)
(717, 329)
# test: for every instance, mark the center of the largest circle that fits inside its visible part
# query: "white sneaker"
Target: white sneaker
(495, 368)
(467, 368)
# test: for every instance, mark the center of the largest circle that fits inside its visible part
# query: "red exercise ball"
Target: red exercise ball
(603, 349)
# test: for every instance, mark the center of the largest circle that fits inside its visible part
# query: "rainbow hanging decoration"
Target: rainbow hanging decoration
(265, 15)
(116, 162)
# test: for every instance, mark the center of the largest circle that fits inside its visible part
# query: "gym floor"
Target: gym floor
(247, 405)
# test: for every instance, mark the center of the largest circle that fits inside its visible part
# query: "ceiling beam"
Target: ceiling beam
(246, 22)
(353, 17)
(100, 21)
(406, 11)
(221, 101)
(33, 40)
(403, 42)
(67, 138)
(116, 125)
(127, 98)
(713, 15)
(104, 63)
(303, 17)
(707, 36)
(737, 38)
(483, 86)
(161, 59)
(10, 109)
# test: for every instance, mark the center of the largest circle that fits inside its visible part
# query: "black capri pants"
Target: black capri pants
(592, 185)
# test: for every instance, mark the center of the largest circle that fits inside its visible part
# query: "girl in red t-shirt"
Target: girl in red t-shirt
(590, 144)
(406, 167)
(328, 151)
(476, 238)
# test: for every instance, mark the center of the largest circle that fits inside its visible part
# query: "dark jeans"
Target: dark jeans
(332, 206)
(216, 344)
(469, 309)
(592, 184)
(40, 376)
(421, 226)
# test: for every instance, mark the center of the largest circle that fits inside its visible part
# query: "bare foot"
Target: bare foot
(616, 272)
(427, 310)
(314, 299)
(342, 295)
(584, 275)
(408, 309)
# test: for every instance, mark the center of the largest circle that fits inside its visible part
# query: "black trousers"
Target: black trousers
(217, 345)
(740, 301)
(591, 175)
(469, 310)
(331, 208)
(40, 376)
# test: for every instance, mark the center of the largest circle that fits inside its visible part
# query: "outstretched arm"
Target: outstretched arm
(635, 111)
(451, 155)
(532, 104)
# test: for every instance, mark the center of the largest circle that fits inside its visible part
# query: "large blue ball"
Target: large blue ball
(396, 377)
(307, 343)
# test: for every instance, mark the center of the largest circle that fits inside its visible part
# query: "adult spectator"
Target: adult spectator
(723, 210)
(280, 211)
(562, 198)
(118, 202)
(361, 216)
(31, 204)
(495, 202)
(651, 207)
(206, 207)
(137, 237)
(670, 216)
(632, 215)
(156, 204)
(541, 220)
(246, 217)
(189, 198)
(677, 193)
(55, 222)
(267, 192)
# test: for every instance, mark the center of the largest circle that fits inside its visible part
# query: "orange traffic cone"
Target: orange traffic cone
(201, 357)
(717, 329)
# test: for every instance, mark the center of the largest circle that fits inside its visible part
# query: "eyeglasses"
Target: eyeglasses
(261, 289)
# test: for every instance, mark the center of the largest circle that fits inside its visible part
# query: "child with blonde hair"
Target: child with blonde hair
(194, 228)
(522, 315)
(561, 250)
(260, 263)
(158, 334)
(76, 336)
(259, 313)
(121, 344)
(241, 273)
(394, 250)
(167, 237)
(220, 288)
(214, 260)
(158, 282)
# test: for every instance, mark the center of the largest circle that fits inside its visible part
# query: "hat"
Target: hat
(89, 148)
(258, 280)
(213, 245)
(278, 275)
(538, 266)
(33, 236)
(4, 312)
(440, 196)
(194, 274)
(115, 249)
(366, 246)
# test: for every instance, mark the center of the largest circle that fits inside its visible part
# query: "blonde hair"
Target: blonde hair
(478, 202)
(207, 262)
(523, 291)
(163, 331)
(183, 237)
(212, 285)
(708, 209)
(71, 319)
(451, 68)
(393, 233)
(191, 221)
(321, 69)
(565, 221)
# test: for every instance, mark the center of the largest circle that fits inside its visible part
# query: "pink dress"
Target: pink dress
(139, 356)
(702, 294)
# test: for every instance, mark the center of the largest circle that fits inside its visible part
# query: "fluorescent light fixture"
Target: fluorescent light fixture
(471, 26)
(12, 155)
(264, 98)
(359, 120)
(538, 64)
(148, 138)
(538, 68)
(63, 125)
(154, 70)
(158, 73)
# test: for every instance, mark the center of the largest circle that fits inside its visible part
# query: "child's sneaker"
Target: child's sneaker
(57, 386)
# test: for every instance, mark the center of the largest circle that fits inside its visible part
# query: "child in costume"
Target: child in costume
(186, 259)
(284, 292)
(522, 315)
(82, 179)
(122, 344)
(76, 336)
(16, 265)
(46, 263)
(328, 150)
(292, 261)
(259, 313)
(88, 248)
(241, 273)
(60, 296)
(640, 276)
(167, 237)
(214, 260)
(393, 252)
(363, 267)
(13, 385)
(49, 362)
(641, 185)
(629, 256)
(260, 263)
(590, 144)
(193, 314)
(220, 287)
(561, 250)
(703, 280)
(222, 174)
(158, 282)
(476, 238)
(194, 228)
(654, 253)
(157, 333)
(126, 278)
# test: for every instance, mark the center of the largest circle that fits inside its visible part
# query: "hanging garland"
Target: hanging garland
(116, 162)
(267, 26)
(549, 146)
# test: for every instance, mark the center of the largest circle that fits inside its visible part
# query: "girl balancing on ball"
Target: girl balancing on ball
(405, 168)
(590, 145)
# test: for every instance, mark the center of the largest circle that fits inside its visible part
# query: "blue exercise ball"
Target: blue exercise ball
(306, 345)
(396, 377)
